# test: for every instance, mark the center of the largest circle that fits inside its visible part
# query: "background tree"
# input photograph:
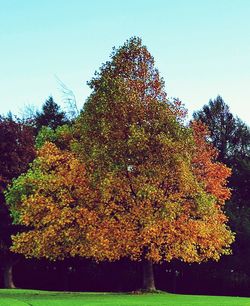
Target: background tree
(217, 116)
(232, 138)
(16, 152)
(50, 116)
(62, 136)
(143, 195)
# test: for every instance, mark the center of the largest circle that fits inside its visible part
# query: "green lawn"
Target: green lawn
(46, 298)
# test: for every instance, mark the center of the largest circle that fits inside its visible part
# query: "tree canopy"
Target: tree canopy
(135, 181)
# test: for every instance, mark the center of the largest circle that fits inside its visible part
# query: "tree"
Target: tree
(232, 137)
(131, 132)
(62, 136)
(228, 134)
(145, 196)
(51, 116)
(52, 199)
(16, 152)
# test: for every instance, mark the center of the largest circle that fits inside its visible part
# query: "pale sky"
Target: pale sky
(201, 47)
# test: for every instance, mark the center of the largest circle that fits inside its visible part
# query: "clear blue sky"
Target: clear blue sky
(201, 47)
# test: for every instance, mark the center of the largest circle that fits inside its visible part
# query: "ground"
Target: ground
(21, 297)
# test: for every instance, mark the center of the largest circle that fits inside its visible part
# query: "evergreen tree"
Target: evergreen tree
(50, 116)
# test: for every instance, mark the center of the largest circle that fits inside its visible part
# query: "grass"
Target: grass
(19, 297)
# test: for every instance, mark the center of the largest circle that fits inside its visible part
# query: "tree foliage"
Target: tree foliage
(62, 136)
(50, 116)
(16, 148)
(228, 134)
(16, 152)
(232, 137)
(138, 184)
(52, 199)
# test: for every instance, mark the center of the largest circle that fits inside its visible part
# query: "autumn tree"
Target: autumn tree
(53, 199)
(16, 152)
(61, 136)
(136, 182)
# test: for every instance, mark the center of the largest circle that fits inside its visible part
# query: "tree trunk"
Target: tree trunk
(148, 276)
(8, 276)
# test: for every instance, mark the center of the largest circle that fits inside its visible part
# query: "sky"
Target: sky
(201, 48)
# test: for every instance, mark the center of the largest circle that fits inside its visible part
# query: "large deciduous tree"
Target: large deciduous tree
(139, 184)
